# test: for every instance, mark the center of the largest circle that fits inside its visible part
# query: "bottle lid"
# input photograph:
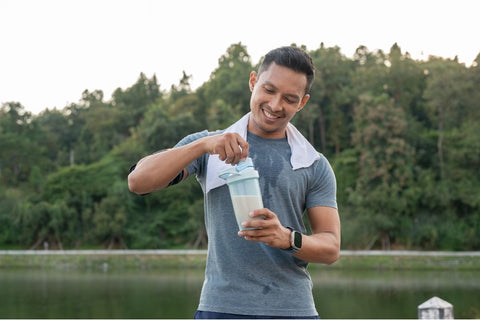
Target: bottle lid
(243, 170)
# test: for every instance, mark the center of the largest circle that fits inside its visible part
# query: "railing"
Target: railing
(203, 252)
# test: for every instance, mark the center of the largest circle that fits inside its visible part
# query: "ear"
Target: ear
(252, 80)
(303, 102)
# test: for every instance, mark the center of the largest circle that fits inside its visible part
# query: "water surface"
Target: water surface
(29, 293)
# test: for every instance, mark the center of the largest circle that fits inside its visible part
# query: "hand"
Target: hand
(230, 147)
(270, 230)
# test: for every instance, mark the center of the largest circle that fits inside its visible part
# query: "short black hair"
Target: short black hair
(293, 58)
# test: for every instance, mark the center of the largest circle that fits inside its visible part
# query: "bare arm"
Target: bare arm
(154, 172)
(323, 246)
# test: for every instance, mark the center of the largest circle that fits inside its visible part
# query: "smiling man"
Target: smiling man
(259, 273)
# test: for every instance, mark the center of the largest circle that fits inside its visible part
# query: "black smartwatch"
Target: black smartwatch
(295, 241)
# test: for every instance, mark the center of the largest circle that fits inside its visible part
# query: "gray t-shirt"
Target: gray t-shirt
(244, 277)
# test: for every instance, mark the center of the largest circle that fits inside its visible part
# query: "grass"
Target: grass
(186, 261)
(408, 263)
(112, 262)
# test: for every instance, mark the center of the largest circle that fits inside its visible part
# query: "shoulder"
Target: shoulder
(322, 168)
(322, 162)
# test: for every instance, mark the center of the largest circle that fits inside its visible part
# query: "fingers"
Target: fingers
(271, 237)
(268, 218)
(244, 146)
(230, 147)
(233, 152)
(267, 230)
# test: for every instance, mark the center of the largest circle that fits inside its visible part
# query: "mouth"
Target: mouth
(269, 115)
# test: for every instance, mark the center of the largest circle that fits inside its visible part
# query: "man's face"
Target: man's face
(277, 94)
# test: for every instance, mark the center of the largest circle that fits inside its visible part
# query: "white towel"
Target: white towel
(303, 153)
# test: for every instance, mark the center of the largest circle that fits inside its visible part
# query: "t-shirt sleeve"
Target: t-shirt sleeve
(195, 166)
(323, 190)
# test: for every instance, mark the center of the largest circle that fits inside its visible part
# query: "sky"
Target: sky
(53, 50)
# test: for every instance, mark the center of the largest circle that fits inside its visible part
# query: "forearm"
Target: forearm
(323, 246)
(154, 172)
(319, 248)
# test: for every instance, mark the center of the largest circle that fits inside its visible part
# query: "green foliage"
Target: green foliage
(171, 218)
(330, 105)
(10, 207)
(402, 137)
(229, 82)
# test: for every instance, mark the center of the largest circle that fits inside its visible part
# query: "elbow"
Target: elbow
(333, 257)
(332, 254)
(332, 250)
(140, 185)
(326, 257)
(133, 184)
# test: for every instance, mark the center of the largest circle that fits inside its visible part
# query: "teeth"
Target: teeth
(269, 115)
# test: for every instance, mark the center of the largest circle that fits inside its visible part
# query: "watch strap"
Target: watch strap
(292, 248)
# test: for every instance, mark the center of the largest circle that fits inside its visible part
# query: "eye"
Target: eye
(268, 90)
(290, 101)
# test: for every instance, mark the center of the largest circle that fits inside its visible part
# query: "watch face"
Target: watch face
(298, 239)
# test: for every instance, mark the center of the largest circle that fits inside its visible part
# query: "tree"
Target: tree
(385, 167)
(405, 81)
(133, 102)
(229, 81)
(402, 137)
(110, 217)
(11, 206)
(330, 98)
(370, 73)
(446, 86)
(100, 129)
(54, 134)
(18, 148)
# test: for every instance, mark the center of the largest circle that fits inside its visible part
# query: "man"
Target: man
(259, 273)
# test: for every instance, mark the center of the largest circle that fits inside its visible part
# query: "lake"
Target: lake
(34, 293)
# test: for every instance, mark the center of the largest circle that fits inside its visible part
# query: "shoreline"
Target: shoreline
(194, 259)
(204, 252)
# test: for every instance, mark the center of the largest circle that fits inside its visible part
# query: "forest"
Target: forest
(402, 136)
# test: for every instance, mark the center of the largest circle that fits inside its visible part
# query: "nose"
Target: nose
(276, 103)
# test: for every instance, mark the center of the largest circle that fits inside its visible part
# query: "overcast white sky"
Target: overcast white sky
(52, 50)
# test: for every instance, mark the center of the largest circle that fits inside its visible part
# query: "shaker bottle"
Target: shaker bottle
(242, 181)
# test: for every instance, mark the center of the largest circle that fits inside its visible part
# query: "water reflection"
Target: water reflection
(393, 294)
(37, 294)
(174, 293)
